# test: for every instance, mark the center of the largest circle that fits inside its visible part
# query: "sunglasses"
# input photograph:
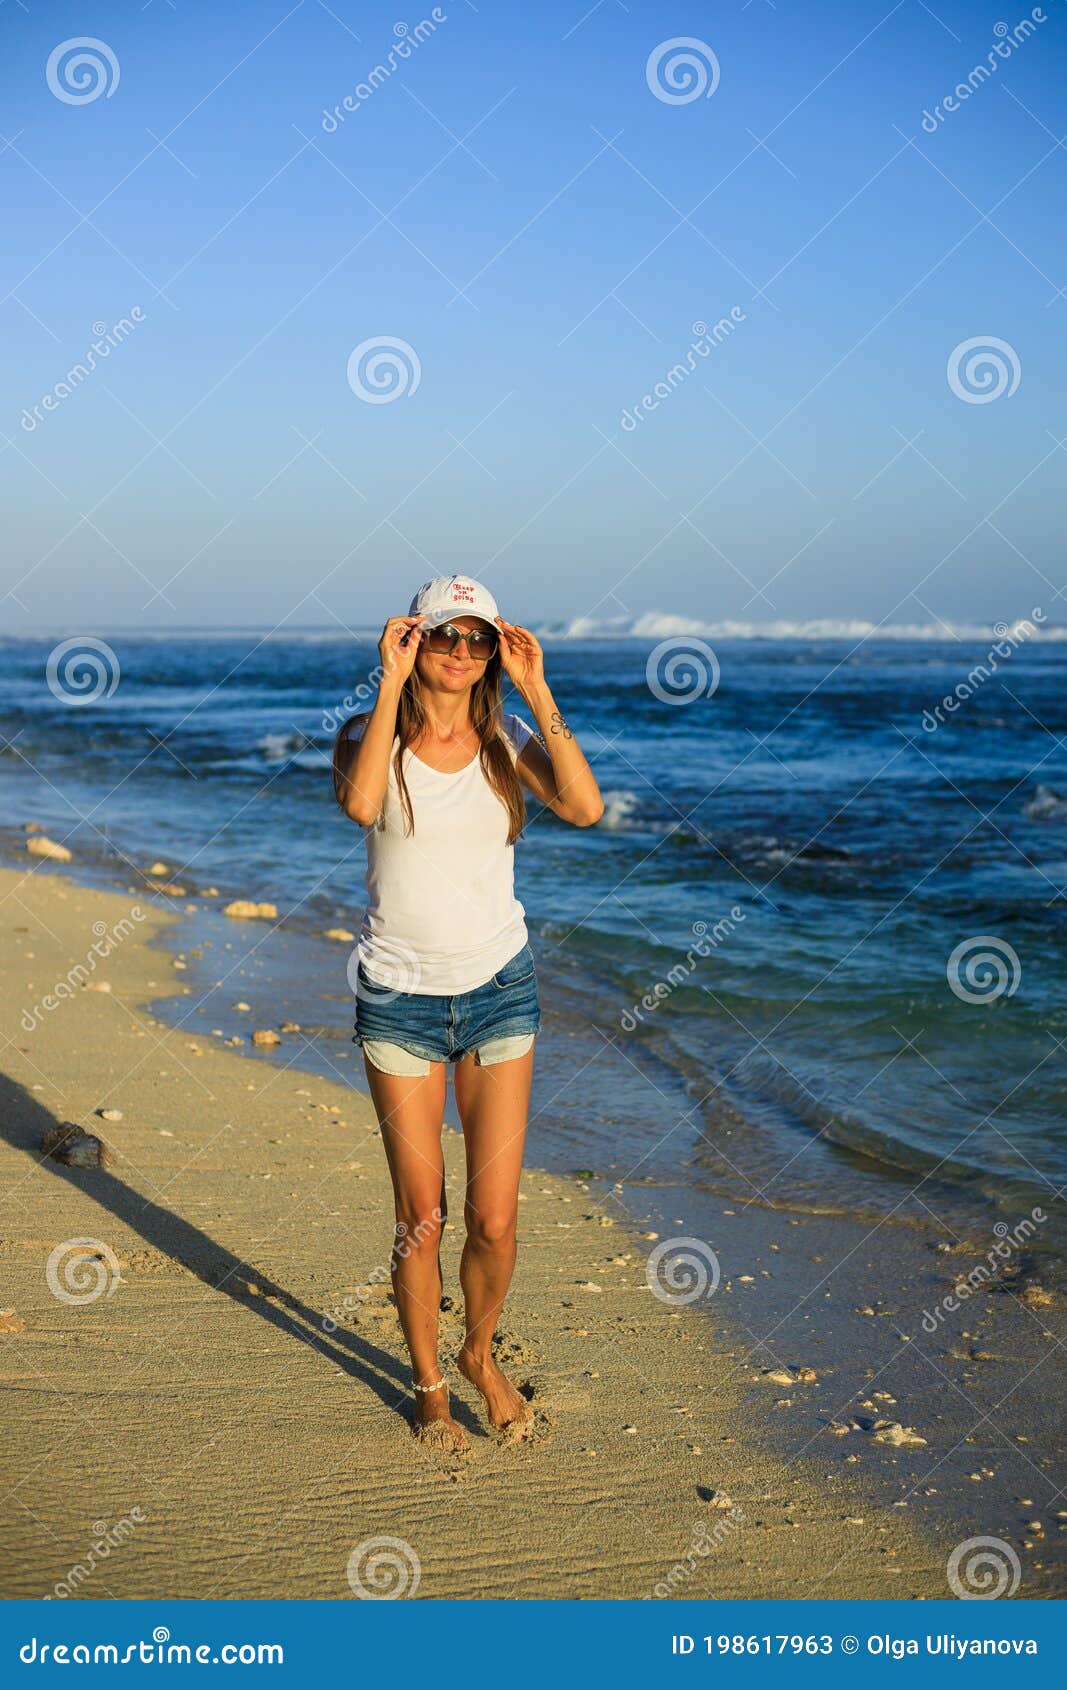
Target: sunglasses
(481, 645)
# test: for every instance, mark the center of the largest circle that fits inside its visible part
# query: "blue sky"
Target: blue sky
(516, 204)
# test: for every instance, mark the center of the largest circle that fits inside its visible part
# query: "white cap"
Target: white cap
(449, 596)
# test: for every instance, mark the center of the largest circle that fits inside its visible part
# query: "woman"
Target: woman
(435, 773)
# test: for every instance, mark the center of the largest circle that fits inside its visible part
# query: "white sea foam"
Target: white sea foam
(277, 747)
(1046, 805)
(659, 625)
(619, 807)
(650, 625)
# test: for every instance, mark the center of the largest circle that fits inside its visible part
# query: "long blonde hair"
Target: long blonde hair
(486, 719)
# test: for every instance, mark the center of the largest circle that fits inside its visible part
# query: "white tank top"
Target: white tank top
(441, 916)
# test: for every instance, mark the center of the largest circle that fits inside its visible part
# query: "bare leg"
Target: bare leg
(410, 1113)
(493, 1103)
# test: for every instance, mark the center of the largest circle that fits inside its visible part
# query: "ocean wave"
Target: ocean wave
(1046, 805)
(659, 625)
(812, 852)
(649, 625)
(619, 810)
(279, 747)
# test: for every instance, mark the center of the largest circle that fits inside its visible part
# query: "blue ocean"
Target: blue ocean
(813, 955)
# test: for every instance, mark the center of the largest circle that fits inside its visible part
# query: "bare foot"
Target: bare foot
(434, 1425)
(508, 1412)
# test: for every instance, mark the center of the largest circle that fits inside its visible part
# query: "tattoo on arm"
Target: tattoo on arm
(559, 726)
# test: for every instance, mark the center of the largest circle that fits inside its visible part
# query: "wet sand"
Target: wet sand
(229, 1415)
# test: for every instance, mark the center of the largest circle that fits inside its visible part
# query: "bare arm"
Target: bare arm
(366, 773)
(556, 772)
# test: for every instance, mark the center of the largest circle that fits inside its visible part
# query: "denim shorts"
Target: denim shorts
(443, 1029)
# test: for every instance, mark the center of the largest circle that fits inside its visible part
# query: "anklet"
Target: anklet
(426, 1389)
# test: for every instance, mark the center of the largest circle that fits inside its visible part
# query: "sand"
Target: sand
(199, 1420)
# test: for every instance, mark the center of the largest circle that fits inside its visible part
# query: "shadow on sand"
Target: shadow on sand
(24, 1122)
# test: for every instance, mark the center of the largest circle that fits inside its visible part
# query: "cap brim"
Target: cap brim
(436, 617)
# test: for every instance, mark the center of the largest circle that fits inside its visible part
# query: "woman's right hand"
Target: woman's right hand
(398, 660)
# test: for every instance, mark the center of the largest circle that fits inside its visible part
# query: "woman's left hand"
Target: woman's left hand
(521, 655)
